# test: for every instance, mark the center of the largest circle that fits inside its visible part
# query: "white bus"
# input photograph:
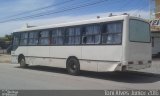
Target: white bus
(114, 43)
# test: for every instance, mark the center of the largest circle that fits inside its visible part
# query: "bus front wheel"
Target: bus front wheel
(73, 66)
(22, 62)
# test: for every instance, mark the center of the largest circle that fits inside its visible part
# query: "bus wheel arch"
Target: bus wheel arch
(22, 61)
(73, 65)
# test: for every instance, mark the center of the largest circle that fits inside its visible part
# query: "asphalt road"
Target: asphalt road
(49, 78)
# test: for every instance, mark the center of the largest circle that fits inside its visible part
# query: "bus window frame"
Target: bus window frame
(86, 35)
(39, 38)
(68, 36)
(34, 31)
(51, 37)
(23, 38)
(19, 33)
(122, 29)
(80, 26)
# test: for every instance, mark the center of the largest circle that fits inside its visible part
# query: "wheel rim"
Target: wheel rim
(73, 65)
(22, 62)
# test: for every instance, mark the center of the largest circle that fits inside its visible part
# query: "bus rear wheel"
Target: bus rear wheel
(73, 66)
(22, 62)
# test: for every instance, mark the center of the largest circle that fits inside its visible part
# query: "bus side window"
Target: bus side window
(84, 38)
(77, 35)
(58, 36)
(112, 33)
(33, 38)
(16, 41)
(72, 36)
(92, 34)
(44, 38)
(24, 39)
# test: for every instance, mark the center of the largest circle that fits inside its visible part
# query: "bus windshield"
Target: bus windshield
(139, 31)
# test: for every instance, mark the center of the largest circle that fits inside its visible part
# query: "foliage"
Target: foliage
(6, 38)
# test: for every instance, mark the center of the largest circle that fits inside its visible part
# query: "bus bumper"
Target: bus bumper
(138, 67)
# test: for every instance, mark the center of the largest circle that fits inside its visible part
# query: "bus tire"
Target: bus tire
(22, 62)
(73, 66)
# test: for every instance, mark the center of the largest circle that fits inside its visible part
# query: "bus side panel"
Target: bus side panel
(38, 51)
(101, 58)
(88, 65)
(14, 59)
(104, 53)
(99, 66)
(65, 51)
(20, 50)
(109, 66)
(60, 54)
(37, 55)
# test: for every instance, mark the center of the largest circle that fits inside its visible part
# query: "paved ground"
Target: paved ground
(4, 58)
(2, 51)
(40, 77)
(155, 67)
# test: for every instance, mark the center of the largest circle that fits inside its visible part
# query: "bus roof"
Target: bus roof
(75, 23)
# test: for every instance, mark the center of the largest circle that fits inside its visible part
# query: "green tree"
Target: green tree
(8, 37)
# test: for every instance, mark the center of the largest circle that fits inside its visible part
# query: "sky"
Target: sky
(14, 12)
